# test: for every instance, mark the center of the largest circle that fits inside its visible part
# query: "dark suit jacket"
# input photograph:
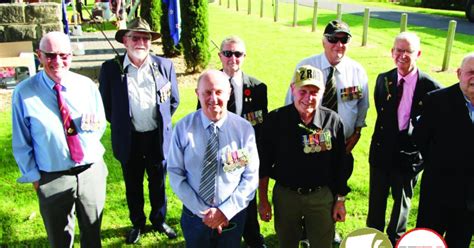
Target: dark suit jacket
(254, 99)
(385, 145)
(114, 90)
(444, 134)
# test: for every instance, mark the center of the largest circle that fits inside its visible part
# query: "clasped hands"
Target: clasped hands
(215, 219)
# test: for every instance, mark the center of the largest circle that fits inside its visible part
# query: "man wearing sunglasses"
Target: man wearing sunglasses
(57, 122)
(249, 100)
(394, 159)
(346, 85)
(140, 95)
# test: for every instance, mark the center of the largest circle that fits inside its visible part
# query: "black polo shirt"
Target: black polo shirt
(283, 156)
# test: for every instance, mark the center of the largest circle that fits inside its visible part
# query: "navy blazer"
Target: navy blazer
(385, 142)
(114, 90)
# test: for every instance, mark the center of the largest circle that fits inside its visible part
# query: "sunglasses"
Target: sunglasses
(229, 54)
(334, 39)
(51, 56)
(137, 38)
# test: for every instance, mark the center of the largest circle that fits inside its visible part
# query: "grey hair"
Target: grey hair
(411, 38)
(233, 39)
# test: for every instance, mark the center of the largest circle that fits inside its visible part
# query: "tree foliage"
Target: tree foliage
(195, 34)
(150, 10)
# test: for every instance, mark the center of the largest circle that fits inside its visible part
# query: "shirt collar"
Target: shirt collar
(206, 122)
(127, 61)
(65, 83)
(411, 77)
(325, 62)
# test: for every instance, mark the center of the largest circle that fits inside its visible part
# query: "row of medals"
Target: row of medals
(317, 142)
(235, 160)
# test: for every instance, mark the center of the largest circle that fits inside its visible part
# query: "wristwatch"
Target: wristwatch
(341, 198)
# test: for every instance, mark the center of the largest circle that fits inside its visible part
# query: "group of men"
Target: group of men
(218, 156)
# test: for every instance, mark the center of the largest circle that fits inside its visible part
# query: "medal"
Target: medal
(317, 148)
(307, 149)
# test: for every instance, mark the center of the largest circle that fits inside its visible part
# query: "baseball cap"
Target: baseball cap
(335, 27)
(309, 75)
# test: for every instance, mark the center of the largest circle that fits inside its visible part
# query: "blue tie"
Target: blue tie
(209, 171)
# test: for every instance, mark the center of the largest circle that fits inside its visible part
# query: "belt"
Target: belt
(303, 190)
(76, 170)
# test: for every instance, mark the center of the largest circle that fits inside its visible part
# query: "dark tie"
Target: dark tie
(209, 170)
(231, 103)
(400, 91)
(330, 93)
(72, 138)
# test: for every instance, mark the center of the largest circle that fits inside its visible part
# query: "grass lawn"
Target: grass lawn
(273, 51)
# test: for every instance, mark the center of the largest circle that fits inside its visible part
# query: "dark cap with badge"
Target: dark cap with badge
(335, 27)
(309, 75)
(136, 25)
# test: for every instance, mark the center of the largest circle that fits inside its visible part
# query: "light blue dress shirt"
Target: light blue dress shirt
(234, 189)
(39, 141)
(349, 73)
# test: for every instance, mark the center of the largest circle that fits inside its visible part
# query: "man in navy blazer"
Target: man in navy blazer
(140, 94)
(444, 134)
(394, 160)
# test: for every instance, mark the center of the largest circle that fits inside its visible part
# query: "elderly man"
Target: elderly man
(213, 166)
(140, 94)
(394, 160)
(303, 146)
(249, 100)
(56, 143)
(444, 134)
(346, 85)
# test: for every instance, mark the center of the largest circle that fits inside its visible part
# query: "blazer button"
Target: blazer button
(381, 109)
(381, 127)
(378, 144)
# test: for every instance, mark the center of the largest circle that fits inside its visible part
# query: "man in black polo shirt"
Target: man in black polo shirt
(302, 148)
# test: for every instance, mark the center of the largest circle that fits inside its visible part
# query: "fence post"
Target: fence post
(315, 16)
(449, 44)
(366, 26)
(339, 11)
(295, 12)
(249, 7)
(220, 2)
(261, 8)
(228, 3)
(237, 5)
(275, 17)
(403, 22)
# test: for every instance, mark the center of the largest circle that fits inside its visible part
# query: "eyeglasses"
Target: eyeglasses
(51, 56)
(137, 38)
(228, 54)
(403, 51)
(334, 39)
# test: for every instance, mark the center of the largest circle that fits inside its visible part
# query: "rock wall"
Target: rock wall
(20, 21)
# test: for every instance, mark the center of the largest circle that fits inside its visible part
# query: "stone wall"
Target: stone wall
(20, 21)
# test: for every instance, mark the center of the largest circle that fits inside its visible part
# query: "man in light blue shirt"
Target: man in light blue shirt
(65, 184)
(217, 222)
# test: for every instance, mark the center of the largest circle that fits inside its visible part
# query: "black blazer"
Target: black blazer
(444, 134)
(114, 90)
(385, 144)
(254, 100)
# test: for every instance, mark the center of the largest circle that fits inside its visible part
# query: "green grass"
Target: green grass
(273, 51)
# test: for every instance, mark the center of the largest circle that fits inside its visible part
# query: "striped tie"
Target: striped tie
(209, 171)
(330, 94)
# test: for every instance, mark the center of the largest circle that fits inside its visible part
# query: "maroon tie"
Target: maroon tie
(400, 91)
(72, 137)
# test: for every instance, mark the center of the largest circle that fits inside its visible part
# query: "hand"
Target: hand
(214, 218)
(352, 141)
(339, 211)
(36, 185)
(221, 227)
(265, 210)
